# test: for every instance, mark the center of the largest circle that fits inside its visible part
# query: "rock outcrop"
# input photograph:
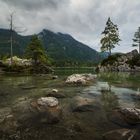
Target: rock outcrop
(119, 63)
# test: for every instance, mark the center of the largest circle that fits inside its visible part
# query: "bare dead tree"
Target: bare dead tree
(12, 29)
(11, 36)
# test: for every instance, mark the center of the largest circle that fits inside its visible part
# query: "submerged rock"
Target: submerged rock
(83, 105)
(44, 110)
(81, 79)
(135, 96)
(4, 112)
(28, 87)
(22, 111)
(56, 95)
(131, 115)
(120, 134)
(54, 77)
(116, 118)
(125, 116)
(48, 108)
(8, 122)
(9, 125)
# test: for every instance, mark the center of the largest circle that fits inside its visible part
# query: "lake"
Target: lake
(109, 91)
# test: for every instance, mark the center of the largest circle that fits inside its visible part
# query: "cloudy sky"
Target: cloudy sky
(83, 19)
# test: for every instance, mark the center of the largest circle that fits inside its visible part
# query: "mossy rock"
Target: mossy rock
(135, 61)
(110, 60)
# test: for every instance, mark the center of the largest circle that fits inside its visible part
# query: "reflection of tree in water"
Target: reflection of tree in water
(121, 79)
(109, 99)
(113, 77)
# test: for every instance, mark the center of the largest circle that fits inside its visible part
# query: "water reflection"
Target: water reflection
(127, 80)
(109, 100)
(69, 70)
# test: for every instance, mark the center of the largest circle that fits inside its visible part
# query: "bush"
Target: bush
(110, 60)
(135, 61)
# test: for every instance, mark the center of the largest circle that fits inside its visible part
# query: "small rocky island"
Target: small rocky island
(23, 66)
(129, 62)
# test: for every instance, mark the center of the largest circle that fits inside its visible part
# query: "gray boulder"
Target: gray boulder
(44, 109)
(81, 79)
(49, 108)
(130, 115)
(125, 116)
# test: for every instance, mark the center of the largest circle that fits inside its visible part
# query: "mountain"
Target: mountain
(60, 47)
(19, 43)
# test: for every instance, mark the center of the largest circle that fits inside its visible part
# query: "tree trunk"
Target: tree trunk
(109, 49)
(109, 52)
(11, 36)
(139, 39)
(139, 47)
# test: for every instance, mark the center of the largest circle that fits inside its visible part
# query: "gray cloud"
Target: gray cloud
(83, 19)
(35, 4)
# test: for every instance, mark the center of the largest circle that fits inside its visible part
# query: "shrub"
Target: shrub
(135, 61)
(110, 60)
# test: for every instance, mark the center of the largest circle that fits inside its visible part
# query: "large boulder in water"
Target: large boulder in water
(48, 107)
(125, 116)
(130, 115)
(44, 109)
(80, 79)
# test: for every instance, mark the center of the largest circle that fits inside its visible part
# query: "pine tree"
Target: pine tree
(110, 36)
(35, 51)
(136, 39)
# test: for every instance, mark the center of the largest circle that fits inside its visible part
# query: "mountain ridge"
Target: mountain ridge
(59, 46)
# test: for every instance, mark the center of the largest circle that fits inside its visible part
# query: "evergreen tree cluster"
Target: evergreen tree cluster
(136, 39)
(35, 51)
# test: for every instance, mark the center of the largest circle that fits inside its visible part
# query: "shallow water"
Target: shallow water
(110, 91)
